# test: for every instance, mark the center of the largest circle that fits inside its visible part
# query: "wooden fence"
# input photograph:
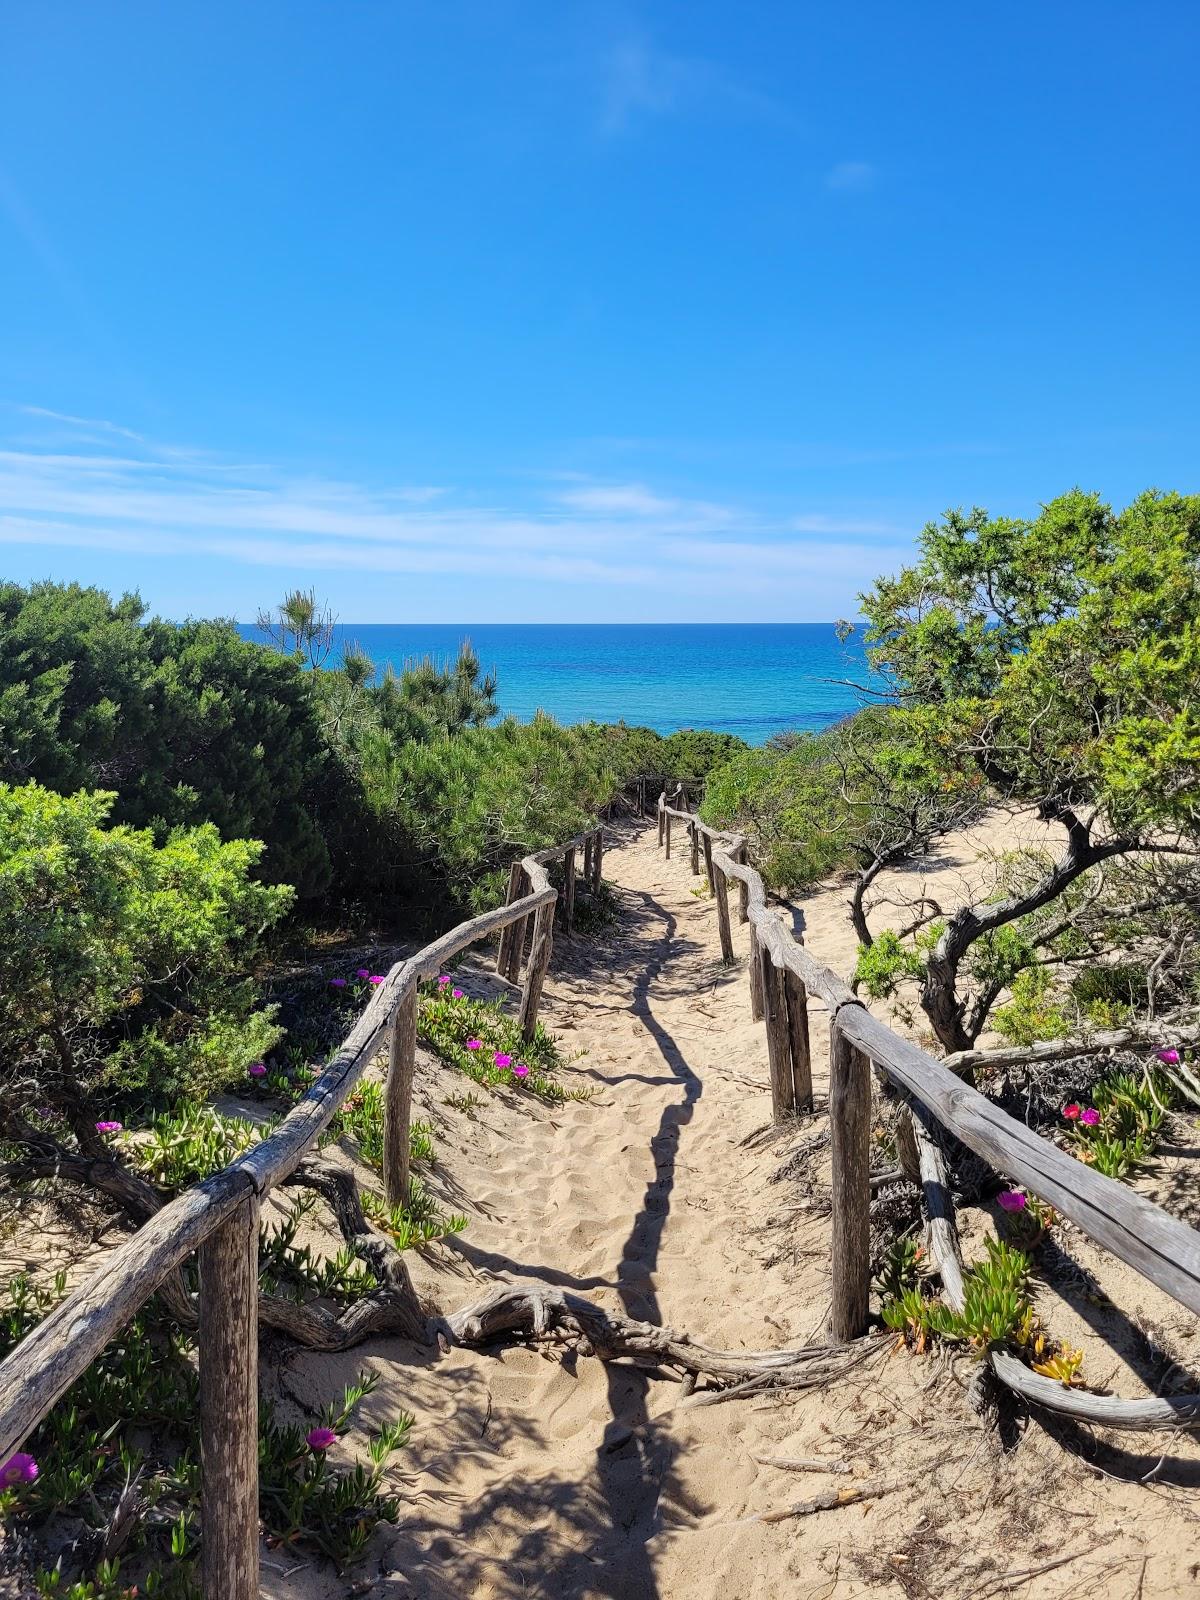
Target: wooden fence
(218, 1220)
(782, 977)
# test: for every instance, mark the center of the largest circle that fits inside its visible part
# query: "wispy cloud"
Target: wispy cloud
(641, 80)
(851, 177)
(153, 501)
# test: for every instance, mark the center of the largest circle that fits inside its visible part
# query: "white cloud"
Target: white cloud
(851, 176)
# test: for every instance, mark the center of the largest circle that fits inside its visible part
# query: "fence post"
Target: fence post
(504, 953)
(743, 887)
(668, 817)
(535, 973)
(229, 1407)
(797, 1009)
(516, 932)
(662, 818)
(597, 860)
(722, 892)
(779, 1042)
(850, 1133)
(397, 1107)
(695, 833)
(587, 858)
(756, 983)
(569, 889)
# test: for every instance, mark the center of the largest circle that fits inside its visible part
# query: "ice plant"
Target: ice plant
(1071, 1112)
(363, 972)
(377, 977)
(444, 979)
(1171, 1057)
(320, 1438)
(257, 1069)
(520, 1070)
(457, 993)
(502, 1060)
(1089, 1115)
(337, 983)
(474, 1044)
(108, 1127)
(1011, 1200)
(21, 1468)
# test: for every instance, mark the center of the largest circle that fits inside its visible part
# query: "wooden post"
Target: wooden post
(708, 865)
(535, 973)
(507, 935)
(229, 1407)
(695, 833)
(723, 928)
(797, 1009)
(516, 932)
(641, 797)
(397, 1105)
(597, 860)
(668, 817)
(587, 858)
(568, 896)
(743, 887)
(779, 1039)
(850, 1134)
(756, 983)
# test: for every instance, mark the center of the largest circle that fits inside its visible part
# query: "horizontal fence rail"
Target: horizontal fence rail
(218, 1218)
(783, 974)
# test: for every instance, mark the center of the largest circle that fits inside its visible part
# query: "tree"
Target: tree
(301, 628)
(1057, 658)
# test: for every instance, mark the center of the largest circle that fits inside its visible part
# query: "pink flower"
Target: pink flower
(363, 972)
(21, 1468)
(1071, 1111)
(337, 983)
(444, 980)
(474, 1044)
(108, 1127)
(1011, 1200)
(257, 1069)
(320, 1438)
(377, 977)
(1090, 1115)
(1171, 1057)
(520, 1070)
(502, 1060)
(457, 993)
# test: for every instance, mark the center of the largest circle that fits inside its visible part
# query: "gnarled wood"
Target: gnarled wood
(849, 1138)
(779, 1039)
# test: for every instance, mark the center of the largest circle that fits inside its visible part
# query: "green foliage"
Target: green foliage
(1130, 1108)
(189, 1142)
(884, 964)
(1031, 1014)
(127, 981)
(448, 1026)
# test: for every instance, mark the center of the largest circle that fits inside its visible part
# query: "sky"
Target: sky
(523, 312)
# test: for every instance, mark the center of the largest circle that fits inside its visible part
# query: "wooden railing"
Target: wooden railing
(218, 1219)
(782, 976)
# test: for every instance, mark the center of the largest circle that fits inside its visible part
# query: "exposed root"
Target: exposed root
(542, 1311)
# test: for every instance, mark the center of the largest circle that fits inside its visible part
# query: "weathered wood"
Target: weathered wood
(756, 983)
(1142, 1039)
(65, 1343)
(397, 1108)
(517, 937)
(743, 860)
(535, 973)
(1140, 1233)
(849, 1138)
(709, 871)
(229, 1407)
(598, 861)
(723, 928)
(694, 840)
(568, 894)
(801, 1051)
(587, 858)
(662, 820)
(504, 949)
(779, 1041)
(668, 815)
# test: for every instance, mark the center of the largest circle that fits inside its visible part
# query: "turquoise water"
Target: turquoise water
(752, 679)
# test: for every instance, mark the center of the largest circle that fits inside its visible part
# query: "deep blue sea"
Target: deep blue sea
(752, 679)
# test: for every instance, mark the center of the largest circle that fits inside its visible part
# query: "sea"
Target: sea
(749, 679)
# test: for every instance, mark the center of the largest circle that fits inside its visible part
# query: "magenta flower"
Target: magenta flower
(21, 1468)
(1089, 1115)
(108, 1127)
(474, 1044)
(502, 1060)
(457, 993)
(377, 977)
(257, 1069)
(444, 980)
(320, 1438)
(1171, 1057)
(363, 972)
(337, 983)
(1071, 1111)
(1011, 1200)
(520, 1070)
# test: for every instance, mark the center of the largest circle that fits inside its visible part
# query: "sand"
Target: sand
(531, 1475)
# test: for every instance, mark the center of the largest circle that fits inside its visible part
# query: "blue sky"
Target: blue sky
(524, 312)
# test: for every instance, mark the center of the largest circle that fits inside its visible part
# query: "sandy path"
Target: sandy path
(528, 1475)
